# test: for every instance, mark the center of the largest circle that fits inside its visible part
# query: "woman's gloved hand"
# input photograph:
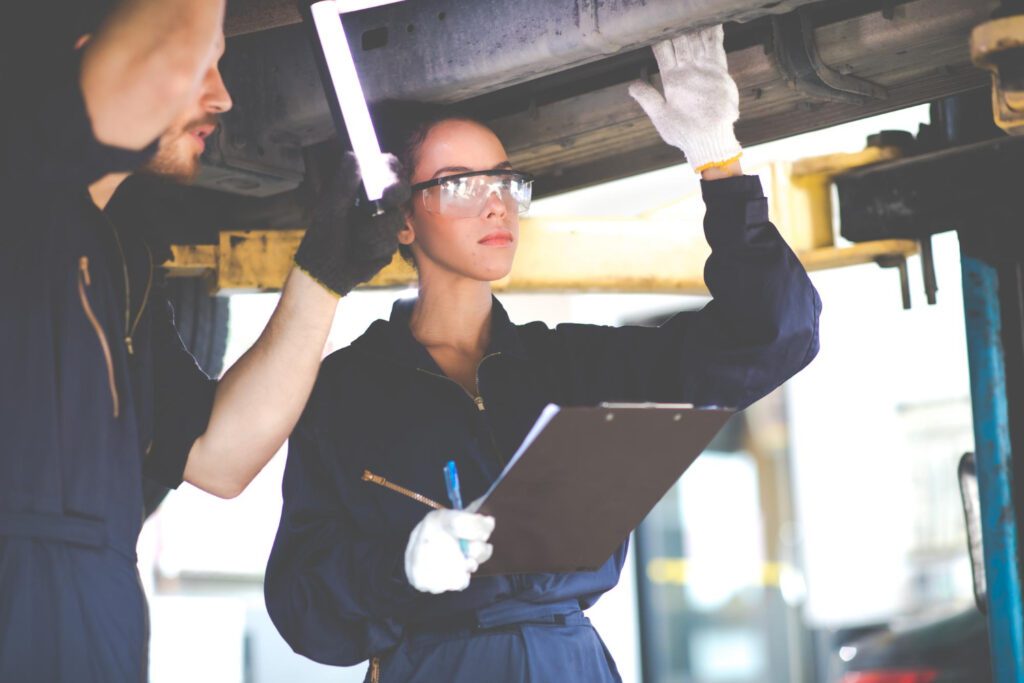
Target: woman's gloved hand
(701, 101)
(345, 245)
(434, 561)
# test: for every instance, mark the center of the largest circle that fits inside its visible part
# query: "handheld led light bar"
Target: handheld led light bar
(373, 165)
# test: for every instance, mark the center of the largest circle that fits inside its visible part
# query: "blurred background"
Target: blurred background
(828, 510)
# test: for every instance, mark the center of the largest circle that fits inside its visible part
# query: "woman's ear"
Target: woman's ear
(407, 235)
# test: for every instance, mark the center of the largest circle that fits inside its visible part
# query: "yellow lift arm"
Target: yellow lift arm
(659, 251)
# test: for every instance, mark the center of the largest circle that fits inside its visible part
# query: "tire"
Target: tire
(202, 323)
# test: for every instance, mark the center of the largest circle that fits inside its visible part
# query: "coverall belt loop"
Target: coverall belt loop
(91, 533)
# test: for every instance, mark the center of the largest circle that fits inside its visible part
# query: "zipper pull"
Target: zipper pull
(128, 345)
(479, 401)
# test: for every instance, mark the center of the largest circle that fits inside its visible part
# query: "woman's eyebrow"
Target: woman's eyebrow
(449, 170)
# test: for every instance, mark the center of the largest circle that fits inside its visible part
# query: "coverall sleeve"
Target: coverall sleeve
(331, 590)
(182, 399)
(760, 328)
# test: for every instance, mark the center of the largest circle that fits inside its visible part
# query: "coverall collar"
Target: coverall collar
(394, 337)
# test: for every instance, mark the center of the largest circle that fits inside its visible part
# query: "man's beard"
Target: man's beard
(171, 161)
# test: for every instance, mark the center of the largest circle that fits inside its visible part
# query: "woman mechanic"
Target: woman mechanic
(362, 567)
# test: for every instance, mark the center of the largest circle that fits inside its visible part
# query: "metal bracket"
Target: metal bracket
(796, 54)
(998, 46)
(931, 283)
(898, 262)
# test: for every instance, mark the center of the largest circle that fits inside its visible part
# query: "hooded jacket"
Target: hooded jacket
(335, 584)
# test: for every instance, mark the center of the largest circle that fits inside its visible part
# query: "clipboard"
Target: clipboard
(585, 477)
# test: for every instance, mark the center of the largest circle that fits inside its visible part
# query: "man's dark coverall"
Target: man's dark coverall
(81, 417)
(336, 586)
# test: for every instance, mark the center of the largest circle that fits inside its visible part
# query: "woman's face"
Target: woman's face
(480, 247)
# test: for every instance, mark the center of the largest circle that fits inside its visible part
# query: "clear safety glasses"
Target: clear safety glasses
(465, 195)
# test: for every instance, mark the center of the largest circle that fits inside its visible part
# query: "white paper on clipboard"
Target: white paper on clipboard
(545, 417)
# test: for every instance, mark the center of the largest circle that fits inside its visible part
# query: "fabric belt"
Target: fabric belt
(91, 533)
(503, 615)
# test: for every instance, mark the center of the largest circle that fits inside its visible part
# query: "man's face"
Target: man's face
(181, 145)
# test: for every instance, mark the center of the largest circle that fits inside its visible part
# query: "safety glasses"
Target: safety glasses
(465, 195)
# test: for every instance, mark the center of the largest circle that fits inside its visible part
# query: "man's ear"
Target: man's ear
(82, 40)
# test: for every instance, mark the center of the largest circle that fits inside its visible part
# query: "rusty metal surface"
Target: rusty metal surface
(581, 132)
(918, 55)
(577, 127)
(546, 34)
(250, 16)
(448, 51)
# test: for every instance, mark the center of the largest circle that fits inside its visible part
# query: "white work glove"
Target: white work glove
(434, 562)
(701, 100)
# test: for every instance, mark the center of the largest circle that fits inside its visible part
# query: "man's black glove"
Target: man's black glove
(345, 245)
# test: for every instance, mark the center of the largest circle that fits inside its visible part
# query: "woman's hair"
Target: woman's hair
(403, 125)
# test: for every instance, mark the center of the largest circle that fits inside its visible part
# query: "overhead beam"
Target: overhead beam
(573, 136)
(919, 55)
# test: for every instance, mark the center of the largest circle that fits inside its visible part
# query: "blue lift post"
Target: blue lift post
(992, 269)
(985, 352)
(964, 174)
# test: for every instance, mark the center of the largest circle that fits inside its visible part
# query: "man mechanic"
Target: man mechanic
(96, 388)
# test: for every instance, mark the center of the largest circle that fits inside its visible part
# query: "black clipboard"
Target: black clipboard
(585, 477)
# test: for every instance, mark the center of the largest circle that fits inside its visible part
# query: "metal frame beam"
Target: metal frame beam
(609, 256)
(994, 463)
(954, 189)
(548, 82)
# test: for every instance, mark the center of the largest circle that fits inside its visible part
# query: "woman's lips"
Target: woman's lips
(502, 238)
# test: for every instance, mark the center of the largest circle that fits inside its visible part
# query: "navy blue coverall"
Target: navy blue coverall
(335, 584)
(82, 419)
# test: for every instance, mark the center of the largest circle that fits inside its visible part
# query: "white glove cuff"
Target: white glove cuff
(714, 145)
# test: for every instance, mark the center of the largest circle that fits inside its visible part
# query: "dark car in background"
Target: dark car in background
(950, 649)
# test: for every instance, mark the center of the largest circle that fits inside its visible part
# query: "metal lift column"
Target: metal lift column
(966, 175)
(985, 350)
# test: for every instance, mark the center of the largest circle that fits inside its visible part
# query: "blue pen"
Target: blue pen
(451, 483)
